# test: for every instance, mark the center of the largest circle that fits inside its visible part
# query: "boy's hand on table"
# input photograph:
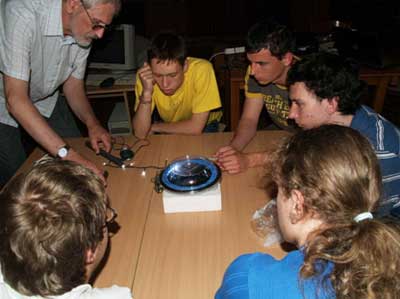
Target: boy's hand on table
(231, 160)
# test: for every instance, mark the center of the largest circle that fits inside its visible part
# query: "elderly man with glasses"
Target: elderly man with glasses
(44, 45)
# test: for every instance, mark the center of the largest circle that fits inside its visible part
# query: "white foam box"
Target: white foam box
(201, 201)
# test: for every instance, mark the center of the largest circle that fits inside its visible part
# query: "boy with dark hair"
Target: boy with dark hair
(325, 89)
(54, 233)
(270, 48)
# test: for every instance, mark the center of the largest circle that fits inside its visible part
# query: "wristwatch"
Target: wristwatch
(63, 151)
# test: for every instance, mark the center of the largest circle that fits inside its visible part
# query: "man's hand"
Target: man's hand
(231, 160)
(76, 157)
(147, 79)
(75, 93)
(97, 134)
(234, 161)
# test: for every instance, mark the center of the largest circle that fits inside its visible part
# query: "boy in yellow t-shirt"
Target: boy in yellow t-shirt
(183, 89)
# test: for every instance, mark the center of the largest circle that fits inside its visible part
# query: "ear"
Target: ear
(297, 206)
(91, 256)
(287, 58)
(71, 5)
(185, 65)
(332, 105)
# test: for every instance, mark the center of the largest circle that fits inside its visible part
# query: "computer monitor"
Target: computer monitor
(115, 51)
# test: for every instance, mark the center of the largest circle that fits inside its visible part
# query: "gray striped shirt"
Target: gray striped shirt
(33, 48)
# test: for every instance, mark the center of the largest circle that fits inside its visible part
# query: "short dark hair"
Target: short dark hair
(329, 75)
(167, 46)
(269, 34)
(49, 218)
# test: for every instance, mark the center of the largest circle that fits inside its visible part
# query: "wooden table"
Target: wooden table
(374, 77)
(182, 255)
(94, 92)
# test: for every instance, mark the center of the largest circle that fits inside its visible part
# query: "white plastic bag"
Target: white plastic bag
(265, 224)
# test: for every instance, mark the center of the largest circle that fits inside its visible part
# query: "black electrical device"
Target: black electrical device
(119, 162)
(126, 154)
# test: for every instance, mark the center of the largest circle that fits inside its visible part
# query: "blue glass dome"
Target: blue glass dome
(190, 174)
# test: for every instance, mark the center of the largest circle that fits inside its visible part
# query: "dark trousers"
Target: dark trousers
(212, 127)
(13, 141)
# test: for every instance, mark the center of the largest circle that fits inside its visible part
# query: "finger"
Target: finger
(145, 73)
(95, 146)
(231, 164)
(232, 167)
(233, 171)
(106, 139)
(227, 159)
(223, 149)
(227, 154)
(220, 165)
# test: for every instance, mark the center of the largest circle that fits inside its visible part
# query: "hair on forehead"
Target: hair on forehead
(167, 46)
(271, 35)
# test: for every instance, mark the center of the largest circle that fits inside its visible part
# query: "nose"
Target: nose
(253, 67)
(293, 112)
(99, 33)
(164, 82)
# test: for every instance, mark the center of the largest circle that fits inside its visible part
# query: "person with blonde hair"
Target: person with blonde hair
(329, 183)
(54, 223)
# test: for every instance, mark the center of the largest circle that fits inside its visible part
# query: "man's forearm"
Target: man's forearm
(26, 114)
(142, 119)
(21, 107)
(185, 127)
(75, 93)
(244, 134)
(30, 119)
(193, 126)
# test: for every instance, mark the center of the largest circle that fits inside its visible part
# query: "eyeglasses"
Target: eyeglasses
(111, 215)
(96, 26)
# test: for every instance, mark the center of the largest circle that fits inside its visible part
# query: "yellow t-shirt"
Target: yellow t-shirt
(198, 93)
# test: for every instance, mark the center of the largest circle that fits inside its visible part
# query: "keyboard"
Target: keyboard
(94, 79)
(129, 79)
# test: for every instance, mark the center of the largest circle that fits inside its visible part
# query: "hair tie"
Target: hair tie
(363, 216)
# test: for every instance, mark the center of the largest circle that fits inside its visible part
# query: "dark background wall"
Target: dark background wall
(227, 21)
(209, 25)
(233, 17)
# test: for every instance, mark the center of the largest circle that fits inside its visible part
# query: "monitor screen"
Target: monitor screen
(115, 50)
